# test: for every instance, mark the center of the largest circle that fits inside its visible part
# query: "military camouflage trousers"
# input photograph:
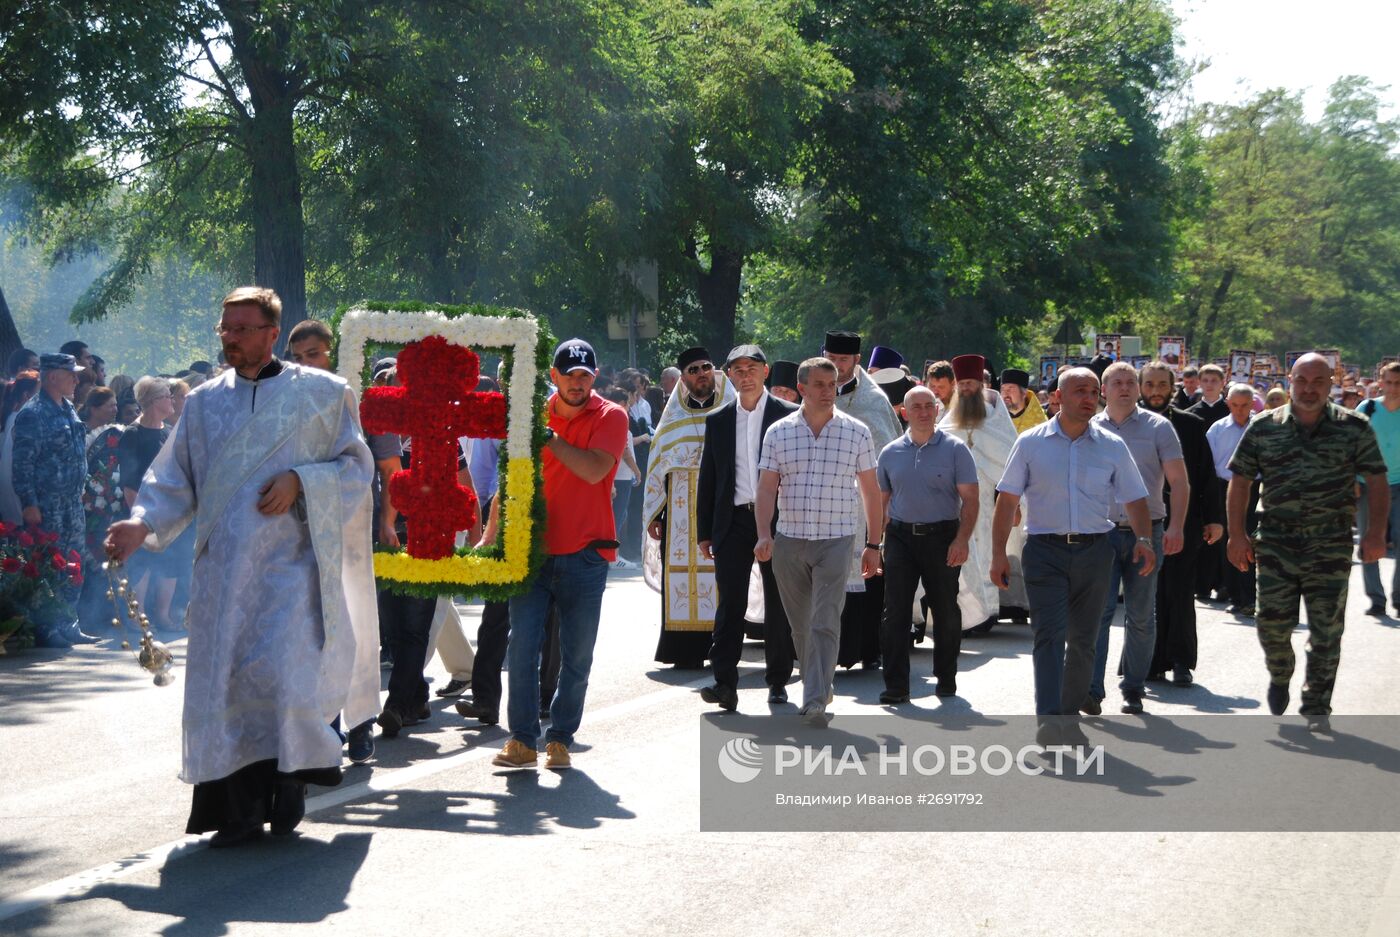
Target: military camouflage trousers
(65, 517)
(1314, 569)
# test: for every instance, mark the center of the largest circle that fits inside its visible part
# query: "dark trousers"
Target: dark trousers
(733, 566)
(410, 622)
(1210, 563)
(861, 623)
(1067, 585)
(1239, 586)
(910, 557)
(492, 639)
(1176, 607)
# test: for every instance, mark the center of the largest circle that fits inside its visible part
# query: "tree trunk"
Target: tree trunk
(9, 335)
(1217, 300)
(279, 230)
(718, 290)
(279, 254)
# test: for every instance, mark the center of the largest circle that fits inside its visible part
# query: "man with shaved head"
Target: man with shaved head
(1308, 454)
(1074, 476)
(928, 486)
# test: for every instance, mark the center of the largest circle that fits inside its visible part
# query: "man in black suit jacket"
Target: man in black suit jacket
(1205, 518)
(727, 530)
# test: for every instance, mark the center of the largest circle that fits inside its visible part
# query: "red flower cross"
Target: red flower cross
(435, 406)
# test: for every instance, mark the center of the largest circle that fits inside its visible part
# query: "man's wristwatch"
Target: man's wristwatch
(872, 546)
(548, 435)
(1146, 540)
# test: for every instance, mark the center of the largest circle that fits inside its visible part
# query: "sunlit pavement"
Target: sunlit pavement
(432, 839)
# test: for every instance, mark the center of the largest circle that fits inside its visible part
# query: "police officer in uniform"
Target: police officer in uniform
(1308, 453)
(50, 469)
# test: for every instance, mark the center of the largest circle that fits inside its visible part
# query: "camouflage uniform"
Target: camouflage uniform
(1303, 546)
(50, 467)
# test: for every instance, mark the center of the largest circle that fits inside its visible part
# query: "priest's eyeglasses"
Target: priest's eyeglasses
(238, 331)
(700, 368)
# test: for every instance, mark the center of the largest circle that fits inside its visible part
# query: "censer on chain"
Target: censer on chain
(153, 656)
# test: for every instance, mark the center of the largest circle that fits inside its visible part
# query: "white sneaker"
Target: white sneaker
(620, 563)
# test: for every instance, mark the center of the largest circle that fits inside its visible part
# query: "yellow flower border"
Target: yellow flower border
(513, 567)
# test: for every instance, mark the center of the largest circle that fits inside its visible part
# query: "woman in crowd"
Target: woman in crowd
(152, 574)
(179, 390)
(17, 394)
(103, 503)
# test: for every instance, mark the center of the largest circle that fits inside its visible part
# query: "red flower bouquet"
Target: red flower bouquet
(33, 577)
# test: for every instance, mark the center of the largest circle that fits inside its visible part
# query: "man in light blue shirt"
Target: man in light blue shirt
(1224, 437)
(1073, 476)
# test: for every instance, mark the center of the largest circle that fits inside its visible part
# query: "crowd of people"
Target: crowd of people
(74, 446)
(843, 508)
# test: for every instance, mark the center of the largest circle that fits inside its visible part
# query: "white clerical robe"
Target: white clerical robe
(283, 627)
(685, 579)
(991, 443)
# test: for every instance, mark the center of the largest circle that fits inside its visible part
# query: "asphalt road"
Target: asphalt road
(431, 839)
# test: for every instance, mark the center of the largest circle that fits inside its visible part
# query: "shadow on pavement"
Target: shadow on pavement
(295, 880)
(525, 809)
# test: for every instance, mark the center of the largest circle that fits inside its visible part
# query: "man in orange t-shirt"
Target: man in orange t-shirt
(585, 439)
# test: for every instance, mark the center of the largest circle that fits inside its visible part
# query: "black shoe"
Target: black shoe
(288, 807)
(1157, 676)
(777, 694)
(721, 695)
(390, 722)
(983, 628)
(81, 637)
(1091, 706)
(1132, 703)
(947, 688)
(361, 744)
(1246, 611)
(1318, 722)
(474, 710)
(49, 638)
(1278, 699)
(235, 835)
(892, 698)
(870, 664)
(454, 688)
(421, 714)
(1377, 610)
(1181, 676)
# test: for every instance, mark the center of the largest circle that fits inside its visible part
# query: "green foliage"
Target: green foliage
(1293, 240)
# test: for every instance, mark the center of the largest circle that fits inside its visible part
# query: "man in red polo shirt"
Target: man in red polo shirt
(585, 438)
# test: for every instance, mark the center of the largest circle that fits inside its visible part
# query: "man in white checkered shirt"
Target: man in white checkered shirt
(815, 464)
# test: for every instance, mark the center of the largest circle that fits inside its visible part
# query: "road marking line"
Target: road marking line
(75, 885)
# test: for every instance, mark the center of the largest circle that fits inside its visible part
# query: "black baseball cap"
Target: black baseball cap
(574, 355)
(752, 352)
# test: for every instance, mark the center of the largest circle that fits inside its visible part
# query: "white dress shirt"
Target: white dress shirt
(748, 437)
(1224, 435)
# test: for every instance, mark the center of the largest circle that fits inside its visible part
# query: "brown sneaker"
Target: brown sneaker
(516, 754)
(557, 756)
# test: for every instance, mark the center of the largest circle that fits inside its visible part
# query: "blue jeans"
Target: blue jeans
(622, 494)
(1139, 613)
(1065, 585)
(1371, 572)
(574, 581)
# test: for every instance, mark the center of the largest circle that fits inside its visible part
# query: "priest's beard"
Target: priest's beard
(969, 410)
(1157, 404)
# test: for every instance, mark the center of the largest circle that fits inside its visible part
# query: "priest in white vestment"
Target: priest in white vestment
(980, 419)
(671, 560)
(269, 463)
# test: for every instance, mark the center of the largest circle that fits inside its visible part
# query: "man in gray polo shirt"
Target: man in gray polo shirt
(1156, 451)
(929, 486)
(1073, 475)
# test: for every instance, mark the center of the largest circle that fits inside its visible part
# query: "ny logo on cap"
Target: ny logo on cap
(577, 352)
